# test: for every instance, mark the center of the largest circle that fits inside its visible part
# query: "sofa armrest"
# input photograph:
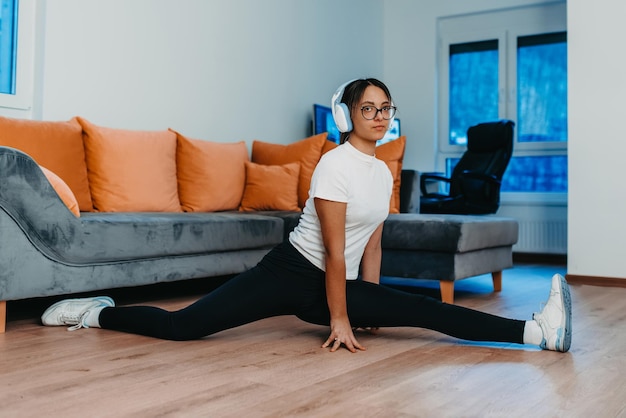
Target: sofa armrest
(410, 191)
(27, 196)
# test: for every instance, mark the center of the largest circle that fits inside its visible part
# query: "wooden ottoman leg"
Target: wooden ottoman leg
(497, 281)
(447, 291)
(3, 316)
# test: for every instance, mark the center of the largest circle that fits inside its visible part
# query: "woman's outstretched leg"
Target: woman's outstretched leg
(245, 298)
(276, 286)
(397, 308)
(248, 297)
(371, 305)
(550, 329)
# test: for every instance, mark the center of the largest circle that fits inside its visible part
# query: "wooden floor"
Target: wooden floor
(276, 368)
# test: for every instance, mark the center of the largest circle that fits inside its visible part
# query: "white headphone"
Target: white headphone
(341, 113)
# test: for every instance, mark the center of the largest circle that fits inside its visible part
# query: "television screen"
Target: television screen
(323, 122)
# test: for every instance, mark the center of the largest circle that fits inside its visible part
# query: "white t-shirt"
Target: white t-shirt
(346, 175)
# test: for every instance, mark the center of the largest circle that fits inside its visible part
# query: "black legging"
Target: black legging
(286, 283)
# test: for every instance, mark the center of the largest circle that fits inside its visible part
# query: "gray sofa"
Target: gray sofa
(47, 251)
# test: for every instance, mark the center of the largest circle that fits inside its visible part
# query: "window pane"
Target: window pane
(473, 87)
(8, 30)
(546, 174)
(542, 87)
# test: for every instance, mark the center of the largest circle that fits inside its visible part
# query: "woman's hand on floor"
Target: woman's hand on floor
(341, 333)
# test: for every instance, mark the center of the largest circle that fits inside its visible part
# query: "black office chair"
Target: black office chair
(474, 186)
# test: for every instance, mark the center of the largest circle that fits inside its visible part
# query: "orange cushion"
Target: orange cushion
(211, 175)
(392, 153)
(307, 152)
(394, 202)
(56, 145)
(328, 145)
(271, 187)
(63, 190)
(131, 171)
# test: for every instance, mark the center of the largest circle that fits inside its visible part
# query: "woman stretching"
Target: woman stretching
(313, 274)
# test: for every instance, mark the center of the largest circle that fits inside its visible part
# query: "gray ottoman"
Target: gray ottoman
(447, 248)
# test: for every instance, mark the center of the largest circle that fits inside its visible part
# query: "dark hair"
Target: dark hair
(353, 93)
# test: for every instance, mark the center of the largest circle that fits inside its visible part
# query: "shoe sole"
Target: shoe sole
(102, 299)
(564, 340)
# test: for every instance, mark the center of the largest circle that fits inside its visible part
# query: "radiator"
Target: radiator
(542, 237)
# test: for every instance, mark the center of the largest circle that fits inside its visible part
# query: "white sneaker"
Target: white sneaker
(73, 311)
(555, 319)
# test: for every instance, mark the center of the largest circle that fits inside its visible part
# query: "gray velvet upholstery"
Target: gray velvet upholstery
(443, 265)
(447, 247)
(448, 233)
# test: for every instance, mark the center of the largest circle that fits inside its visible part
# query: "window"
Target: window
(8, 38)
(508, 65)
(542, 87)
(17, 26)
(473, 86)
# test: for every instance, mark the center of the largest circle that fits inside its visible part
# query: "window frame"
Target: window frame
(25, 58)
(505, 26)
(444, 85)
(512, 81)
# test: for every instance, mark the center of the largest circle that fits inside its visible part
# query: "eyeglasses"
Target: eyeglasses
(370, 112)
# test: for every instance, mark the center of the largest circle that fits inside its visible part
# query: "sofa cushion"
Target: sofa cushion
(63, 190)
(328, 145)
(392, 153)
(131, 171)
(211, 175)
(447, 233)
(271, 187)
(290, 218)
(394, 201)
(116, 237)
(307, 152)
(57, 146)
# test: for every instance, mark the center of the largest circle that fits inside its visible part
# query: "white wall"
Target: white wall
(597, 87)
(212, 69)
